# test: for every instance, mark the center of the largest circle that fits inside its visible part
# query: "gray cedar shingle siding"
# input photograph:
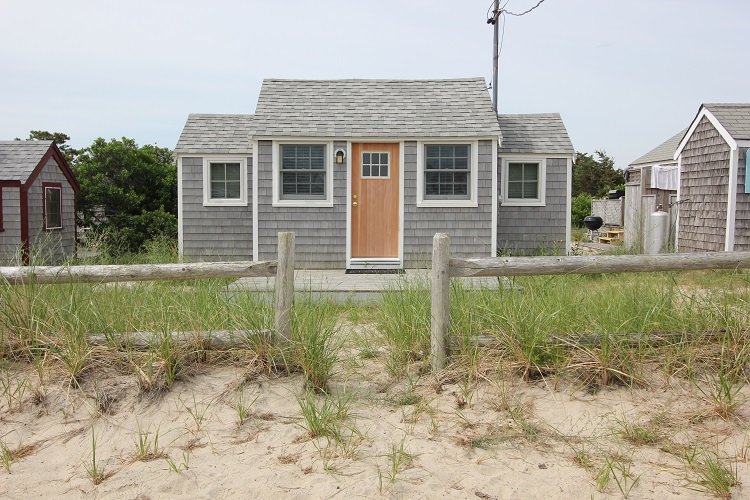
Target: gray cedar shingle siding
(10, 238)
(48, 246)
(320, 232)
(214, 233)
(375, 108)
(470, 229)
(704, 181)
(529, 230)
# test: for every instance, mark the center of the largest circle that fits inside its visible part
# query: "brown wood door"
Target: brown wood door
(375, 200)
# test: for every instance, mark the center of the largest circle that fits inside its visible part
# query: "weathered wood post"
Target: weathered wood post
(284, 289)
(441, 290)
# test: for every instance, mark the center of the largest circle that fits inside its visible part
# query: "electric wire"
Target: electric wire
(525, 12)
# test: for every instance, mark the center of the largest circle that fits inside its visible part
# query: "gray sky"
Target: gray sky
(625, 75)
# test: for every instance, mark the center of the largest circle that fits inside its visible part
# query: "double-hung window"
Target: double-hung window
(523, 182)
(303, 171)
(447, 174)
(224, 181)
(52, 206)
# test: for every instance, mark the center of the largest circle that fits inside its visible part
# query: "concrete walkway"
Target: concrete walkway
(339, 286)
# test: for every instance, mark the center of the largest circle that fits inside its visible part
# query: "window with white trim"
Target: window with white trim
(225, 181)
(447, 174)
(52, 207)
(447, 171)
(303, 171)
(523, 182)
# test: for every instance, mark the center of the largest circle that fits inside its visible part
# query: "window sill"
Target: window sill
(303, 203)
(232, 203)
(447, 203)
(528, 203)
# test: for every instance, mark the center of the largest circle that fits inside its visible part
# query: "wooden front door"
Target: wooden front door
(375, 200)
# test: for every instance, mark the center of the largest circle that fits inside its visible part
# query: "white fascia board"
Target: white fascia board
(394, 140)
(254, 195)
(731, 199)
(569, 203)
(402, 176)
(493, 234)
(704, 112)
(180, 218)
(348, 204)
(677, 219)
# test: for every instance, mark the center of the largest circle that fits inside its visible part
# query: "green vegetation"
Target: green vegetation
(595, 176)
(571, 334)
(580, 209)
(128, 193)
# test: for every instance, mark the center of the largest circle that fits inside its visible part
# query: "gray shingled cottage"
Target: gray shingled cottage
(365, 172)
(37, 203)
(714, 190)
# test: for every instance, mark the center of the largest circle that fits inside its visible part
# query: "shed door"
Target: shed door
(375, 197)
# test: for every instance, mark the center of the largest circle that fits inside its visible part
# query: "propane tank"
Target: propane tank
(657, 231)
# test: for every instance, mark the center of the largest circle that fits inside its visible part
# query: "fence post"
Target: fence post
(282, 319)
(441, 289)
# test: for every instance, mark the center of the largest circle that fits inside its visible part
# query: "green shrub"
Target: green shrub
(580, 208)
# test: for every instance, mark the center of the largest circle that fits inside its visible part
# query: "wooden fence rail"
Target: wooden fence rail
(443, 268)
(283, 269)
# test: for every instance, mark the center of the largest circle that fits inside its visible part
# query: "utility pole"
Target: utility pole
(496, 25)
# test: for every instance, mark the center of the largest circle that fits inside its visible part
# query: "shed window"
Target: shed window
(447, 171)
(52, 207)
(226, 181)
(303, 171)
(523, 181)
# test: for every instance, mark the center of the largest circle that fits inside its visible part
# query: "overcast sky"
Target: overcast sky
(625, 75)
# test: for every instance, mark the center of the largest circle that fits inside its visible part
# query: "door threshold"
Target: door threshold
(374, 264)
(374, 271)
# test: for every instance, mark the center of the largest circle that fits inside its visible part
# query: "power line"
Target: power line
(525, 12)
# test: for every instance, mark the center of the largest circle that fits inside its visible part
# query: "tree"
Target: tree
(595, 176)
(128, 193)
(58, 138)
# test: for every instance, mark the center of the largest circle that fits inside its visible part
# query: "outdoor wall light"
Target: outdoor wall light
(340, 155)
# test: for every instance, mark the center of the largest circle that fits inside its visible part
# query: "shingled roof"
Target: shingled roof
(534, 133)
(663, 153)
(216, 134)
(735, 117)
(18, 159)
(375, 108)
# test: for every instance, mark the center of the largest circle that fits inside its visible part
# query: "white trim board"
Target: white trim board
(180, 217)
(256, 246)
